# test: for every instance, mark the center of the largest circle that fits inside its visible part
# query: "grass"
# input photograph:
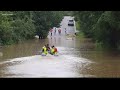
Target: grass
(80, 35)
(77, 25)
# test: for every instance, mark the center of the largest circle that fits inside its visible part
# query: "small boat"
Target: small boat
(43, 54)
(56, 54)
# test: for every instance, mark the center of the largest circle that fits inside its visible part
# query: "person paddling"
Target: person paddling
(44, 50)
(53, 50)
(48, 48)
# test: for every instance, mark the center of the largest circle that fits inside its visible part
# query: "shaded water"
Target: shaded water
(77, 58)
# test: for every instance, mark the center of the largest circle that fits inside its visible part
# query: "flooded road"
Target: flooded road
(77, 58)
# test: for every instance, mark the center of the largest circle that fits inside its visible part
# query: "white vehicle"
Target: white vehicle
(71, 23)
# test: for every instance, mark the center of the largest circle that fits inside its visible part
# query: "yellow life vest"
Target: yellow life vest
(45, 50)
(52, 50)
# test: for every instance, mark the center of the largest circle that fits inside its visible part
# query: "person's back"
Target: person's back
(51, 31)
(55, 31)
(55, 50)
(44, 50)
(52, 50)
(59, 31)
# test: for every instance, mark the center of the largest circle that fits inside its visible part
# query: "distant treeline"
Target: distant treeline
(102, 26)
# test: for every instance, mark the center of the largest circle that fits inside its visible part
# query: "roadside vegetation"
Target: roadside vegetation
(16, 26)
(102, 26)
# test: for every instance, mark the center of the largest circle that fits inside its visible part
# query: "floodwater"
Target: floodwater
(77, 58)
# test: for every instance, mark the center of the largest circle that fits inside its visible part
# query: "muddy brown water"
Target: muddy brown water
(77, 58)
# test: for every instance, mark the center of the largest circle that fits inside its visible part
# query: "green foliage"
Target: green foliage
(44, 20)
(5, 30)
(13, 30)
(23, 29)
(16, 26)
(102, 26)
(77, 25)
(107, 29)
(87, 21)
(80, 35)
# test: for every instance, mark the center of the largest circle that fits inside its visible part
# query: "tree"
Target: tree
(107, 30)
(5, 30)
(87, 21)
(102, 26)
(44, 20)
(16, 26)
